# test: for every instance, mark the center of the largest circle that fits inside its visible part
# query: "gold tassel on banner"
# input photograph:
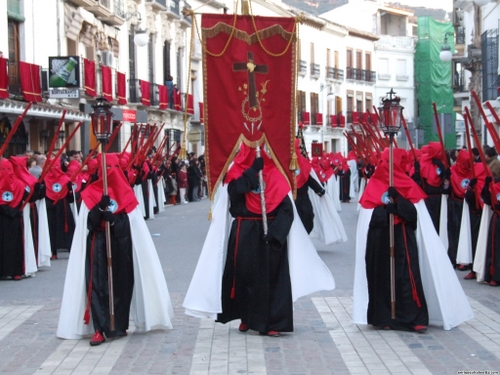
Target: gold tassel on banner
(182, 152)
(210, 214)
(294, 164)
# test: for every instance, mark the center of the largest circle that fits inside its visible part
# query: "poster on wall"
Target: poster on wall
(64, 72)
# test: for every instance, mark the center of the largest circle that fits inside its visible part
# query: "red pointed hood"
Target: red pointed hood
(11, 188)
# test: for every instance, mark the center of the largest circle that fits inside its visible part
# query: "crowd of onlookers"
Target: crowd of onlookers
(185, 180)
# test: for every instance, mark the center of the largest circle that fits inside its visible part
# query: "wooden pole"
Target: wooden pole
(391, 234)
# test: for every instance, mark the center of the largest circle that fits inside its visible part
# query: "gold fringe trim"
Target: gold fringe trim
(210, 214)
(294, 164)
(182, 153)
(244, 36)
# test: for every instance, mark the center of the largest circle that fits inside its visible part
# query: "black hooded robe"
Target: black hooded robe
(96, 272)
(262, 293)
(408, 311)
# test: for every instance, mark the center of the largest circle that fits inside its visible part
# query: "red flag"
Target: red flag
(201, 112)
(316, 149)
(30, 81)
(319, 119)
(177, 100)
(306, 118)
(249, 89)
(333, 120)
(145, 93)
(121, 94)
(163, 96)
(190, 105)
(89, 68)
(4, 79)
(107, 86)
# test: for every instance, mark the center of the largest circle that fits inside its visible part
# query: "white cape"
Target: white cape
(482, 241)
(328, 226)
(353, 166)
(29, 248)
(447, 303)
(161, 195)
(308, 273)
(44, 249)
(151, 200)
(464, 251)
(140, 199)
(333, 189)
(151, 305)
(443, 220)
(361, 191)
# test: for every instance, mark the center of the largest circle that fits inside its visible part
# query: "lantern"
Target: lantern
(390, 114)
(102, 120)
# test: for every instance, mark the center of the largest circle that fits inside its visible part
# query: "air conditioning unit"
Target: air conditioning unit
(107, 58)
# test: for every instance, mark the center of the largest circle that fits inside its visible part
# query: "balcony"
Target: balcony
(155, 95)
(315, 70)
(369, 76)
(354, 74)
(174, 10)
(117, 18)
(134, 93)
(84, 3)
(158, 4)
(302, 68)
(334, 73)
(101, 9)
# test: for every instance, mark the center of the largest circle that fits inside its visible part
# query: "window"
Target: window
(401, 70)
(336, 59)
(14, 55)
(180, 56)
(350, 105)
(368, 61)
(383, 69)
(359, 102)
(166, 60)
(312, 53)
(359, 60)
(301, 102)
(314, 107)
(151, 64)
(368, 103)
(328, 62)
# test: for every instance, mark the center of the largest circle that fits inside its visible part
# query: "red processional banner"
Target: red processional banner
(162, 97)
(249, 91)
(30, 82)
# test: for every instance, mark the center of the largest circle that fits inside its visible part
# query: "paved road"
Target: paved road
(324, 342)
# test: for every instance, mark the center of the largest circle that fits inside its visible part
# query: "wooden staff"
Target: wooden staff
(262, 195)
(471, 157)
(56, 135)
(440, 134)
(113, 136)
(409, 138)
(391, 234)
(488, 124)
(483, 160)
(14, 129)
(134, 130)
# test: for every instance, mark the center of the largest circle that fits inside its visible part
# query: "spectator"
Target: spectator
(182, 183)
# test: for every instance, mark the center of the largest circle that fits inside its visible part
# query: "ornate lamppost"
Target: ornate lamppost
(390, 122)
(101, 118)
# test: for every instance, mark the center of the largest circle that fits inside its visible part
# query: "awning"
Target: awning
(45, 110)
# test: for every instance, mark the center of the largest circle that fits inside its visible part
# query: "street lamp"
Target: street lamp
(101, 118)
(445, 54)
(390, 121)
(141, 36)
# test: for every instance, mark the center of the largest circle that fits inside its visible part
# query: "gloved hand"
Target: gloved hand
(267, 238)
(258, 164)
(104, 203)
(43, 191)
(392, 192)
(108, 216)
(416, 165)
(446, 174)
(390, 208)
(439, 164)
(472, 182)
(488, 180)
(321, 193)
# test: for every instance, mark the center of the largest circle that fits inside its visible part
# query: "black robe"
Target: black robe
(262, 294)
(96, 271)
(11, 242)
(455, 207)
(61, 223)
(304, 205)
(345, 186)
(492, 263)
(408, 313)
